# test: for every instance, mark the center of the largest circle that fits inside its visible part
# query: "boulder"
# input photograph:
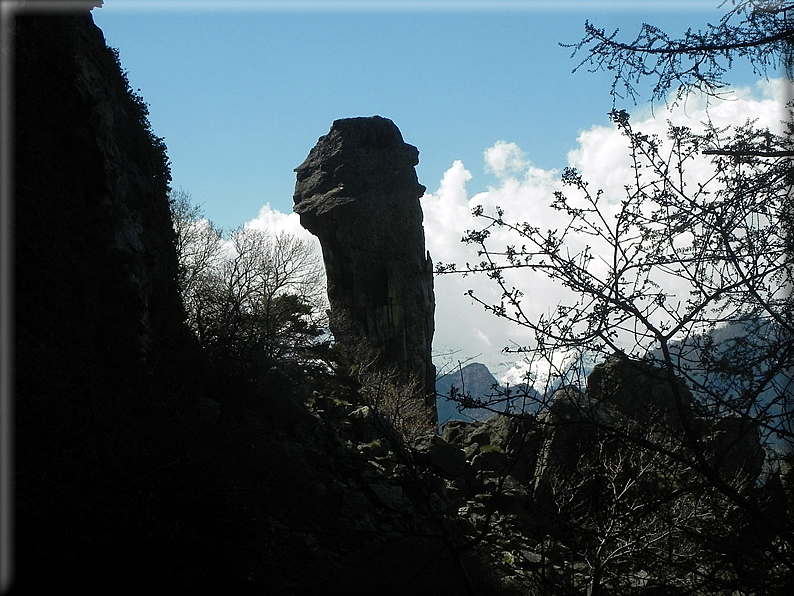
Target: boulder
(515, 437)
(433, 451)
(357, 191)
(489, 461)
(568, 432)
(640, 391)
(508, 433)
(456, 432)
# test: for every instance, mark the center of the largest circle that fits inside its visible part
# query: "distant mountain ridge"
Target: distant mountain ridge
(477, 381)
(474, 380)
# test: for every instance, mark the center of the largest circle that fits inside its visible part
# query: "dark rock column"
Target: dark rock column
(357, 192)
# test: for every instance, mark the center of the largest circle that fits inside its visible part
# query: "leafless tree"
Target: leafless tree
(692, 276)
(199, 243)
(721, 244)
(249, 292)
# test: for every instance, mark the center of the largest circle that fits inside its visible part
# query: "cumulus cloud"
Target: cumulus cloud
(447, 209)
(505, 158)
(275, 222)
(525, 193)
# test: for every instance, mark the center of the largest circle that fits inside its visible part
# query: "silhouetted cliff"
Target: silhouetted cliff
(95, 261)
(99, 338)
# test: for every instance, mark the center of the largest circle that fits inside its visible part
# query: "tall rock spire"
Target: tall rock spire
(357, 191)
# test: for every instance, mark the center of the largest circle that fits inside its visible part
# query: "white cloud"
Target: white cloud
(275, 221)
(525, 193)
(447, 209)
(483, 338)
(504, 158)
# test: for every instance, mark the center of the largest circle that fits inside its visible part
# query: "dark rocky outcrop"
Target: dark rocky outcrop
(357, 192)
(537, 476)
(733, 447)
(638, 390)
(96, 269)
(501, 445)
(99, 344)
(639, 397)
(434, 451)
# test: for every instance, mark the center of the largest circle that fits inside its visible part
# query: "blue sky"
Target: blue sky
(241, 94)
(242, 90)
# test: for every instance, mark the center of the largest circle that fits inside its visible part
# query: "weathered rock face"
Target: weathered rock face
(97, 308)
(357, 192)
(519, 437)
(96, 265)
